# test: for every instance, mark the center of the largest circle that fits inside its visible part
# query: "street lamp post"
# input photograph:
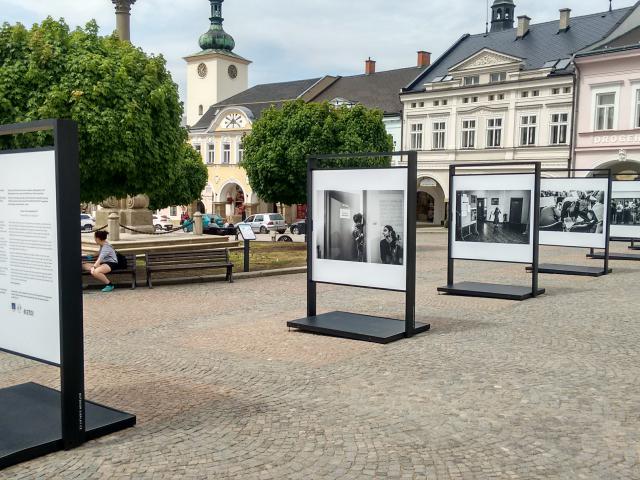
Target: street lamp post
(123, 18)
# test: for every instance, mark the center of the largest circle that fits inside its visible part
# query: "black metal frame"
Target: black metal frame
(410, 327)
(576, 269)
(474, 289)
(67, 181)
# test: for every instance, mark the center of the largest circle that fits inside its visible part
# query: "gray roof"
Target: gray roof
(258, 98)
(378, 90)
(543, 43)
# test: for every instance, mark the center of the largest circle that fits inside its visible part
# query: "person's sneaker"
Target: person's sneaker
(108, 288)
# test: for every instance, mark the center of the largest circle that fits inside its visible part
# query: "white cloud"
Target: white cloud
(293, 39)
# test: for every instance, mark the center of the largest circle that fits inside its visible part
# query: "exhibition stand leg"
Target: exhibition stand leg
(36, 420)
(353, 325)
(490, 290)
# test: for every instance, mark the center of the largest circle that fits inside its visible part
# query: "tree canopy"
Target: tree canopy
(276, 150)
(125, 103)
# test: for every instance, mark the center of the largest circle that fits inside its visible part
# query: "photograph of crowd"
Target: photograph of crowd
(626, 211)
(572, 211)
(493, 216)
(365, 226)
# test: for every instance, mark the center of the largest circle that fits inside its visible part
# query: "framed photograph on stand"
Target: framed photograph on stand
(361, 232)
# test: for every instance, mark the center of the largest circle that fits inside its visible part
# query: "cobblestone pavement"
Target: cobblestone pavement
(546, 388)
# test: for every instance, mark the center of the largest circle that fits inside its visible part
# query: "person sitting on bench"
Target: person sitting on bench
(107, 261)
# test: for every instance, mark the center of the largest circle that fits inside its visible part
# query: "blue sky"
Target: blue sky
(295, 39)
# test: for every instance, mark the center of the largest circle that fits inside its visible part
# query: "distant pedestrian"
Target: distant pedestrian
(106, 263)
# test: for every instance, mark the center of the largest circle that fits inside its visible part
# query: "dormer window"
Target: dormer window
(472, 80)
(498, 77)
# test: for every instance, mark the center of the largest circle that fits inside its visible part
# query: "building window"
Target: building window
(240, 152)
(439, 134)
(200, 110)
(637, 124)
(605, 110)
(472, 80)
(474, 99)
(413, 105)
(492, 98)
(226, 153)
(173, 211)
(536, 93)
(555, 91)
(498, 77)
(566, 89)
(501, 96)
(468, 134)
(494, 133)
(445, 102)
(559, 128)
(421, 104)
(528, 127)
(524, 94)
(211, 154)
(197, 148)
(465, 100)
(436, 103)
(416, 136)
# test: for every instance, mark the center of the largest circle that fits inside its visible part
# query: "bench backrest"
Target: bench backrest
(217, 256)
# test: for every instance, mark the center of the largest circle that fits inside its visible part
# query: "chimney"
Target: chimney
(370, 66)
(523, 26)
(565, 19)
(424, 59)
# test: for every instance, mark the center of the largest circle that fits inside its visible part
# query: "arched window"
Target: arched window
(499, 14)
(200, 110)
(507, 14)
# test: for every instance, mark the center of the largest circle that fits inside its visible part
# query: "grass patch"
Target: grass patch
(271, 255)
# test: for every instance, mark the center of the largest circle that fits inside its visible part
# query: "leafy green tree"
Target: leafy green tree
(275, 152)
(124, 101)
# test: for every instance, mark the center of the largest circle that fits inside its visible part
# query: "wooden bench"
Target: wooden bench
(188, 260)
(130, 270)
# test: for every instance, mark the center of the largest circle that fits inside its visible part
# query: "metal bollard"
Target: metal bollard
(197, 224)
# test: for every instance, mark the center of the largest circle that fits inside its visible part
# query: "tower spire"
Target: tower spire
(216, 38)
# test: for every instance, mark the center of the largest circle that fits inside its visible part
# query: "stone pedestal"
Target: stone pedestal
(114, 226)
(197, 223)
(133, 212)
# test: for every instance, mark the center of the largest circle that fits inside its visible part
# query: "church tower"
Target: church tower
(502, 15)
(215, 73)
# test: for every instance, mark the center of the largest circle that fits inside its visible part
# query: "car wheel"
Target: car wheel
(295, 230)
(158, 227)
(263, 229)
(285, 238)
(87, 228)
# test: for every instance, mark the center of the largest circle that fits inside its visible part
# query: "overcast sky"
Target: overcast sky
(295, 39)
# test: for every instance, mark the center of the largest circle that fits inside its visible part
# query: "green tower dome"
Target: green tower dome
(216, 38)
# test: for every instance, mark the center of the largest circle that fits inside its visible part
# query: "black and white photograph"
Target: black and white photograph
(505, 220)
(365, 226)
(359, 233)
(492, 217)
(625, 209)
(573, 212)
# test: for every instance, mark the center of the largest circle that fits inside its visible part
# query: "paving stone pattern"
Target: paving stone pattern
(542, 389)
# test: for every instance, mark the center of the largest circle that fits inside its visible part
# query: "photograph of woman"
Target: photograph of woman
(391, 252)
(358, 238)
(496, 218)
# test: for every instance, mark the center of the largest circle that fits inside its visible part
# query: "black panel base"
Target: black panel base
(31, 425)
(579, 270)
(489, 290)
(615, 256)
(634, 247)
(356, 327)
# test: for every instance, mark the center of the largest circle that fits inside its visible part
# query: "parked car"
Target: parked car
(266, 222)
(299, 227)
(162, 222)
(87, 222)
(217, 219)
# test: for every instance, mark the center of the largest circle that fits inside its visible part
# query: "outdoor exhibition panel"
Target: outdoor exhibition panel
(574, 212)
(361, 232)
(624, 218)
(494, 217)
(41, 297)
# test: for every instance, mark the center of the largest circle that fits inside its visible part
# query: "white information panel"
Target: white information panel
(29, 300)
(625, 210)
(359, 225)
(573, 212)
(493, 217)
(246, 231)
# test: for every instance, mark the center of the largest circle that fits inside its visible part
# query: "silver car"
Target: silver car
(266, 222)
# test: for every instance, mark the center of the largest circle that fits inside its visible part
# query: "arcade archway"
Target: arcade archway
(430, 202)
(232, 201)
(625, 170)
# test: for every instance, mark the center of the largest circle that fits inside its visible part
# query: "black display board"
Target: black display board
(351, 325)
(36, 420)
(584, 270)
(491, 290)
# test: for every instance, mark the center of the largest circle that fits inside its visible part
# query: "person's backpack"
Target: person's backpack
(122, 261)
